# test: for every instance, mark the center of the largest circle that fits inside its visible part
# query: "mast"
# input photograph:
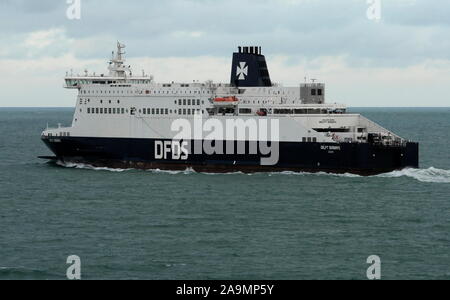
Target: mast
(116, 65)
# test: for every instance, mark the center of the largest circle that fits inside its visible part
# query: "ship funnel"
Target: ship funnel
(249, 68)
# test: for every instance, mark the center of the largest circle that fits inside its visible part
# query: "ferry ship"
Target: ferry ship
(126, 121)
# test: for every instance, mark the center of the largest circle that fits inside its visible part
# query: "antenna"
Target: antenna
(119, 50)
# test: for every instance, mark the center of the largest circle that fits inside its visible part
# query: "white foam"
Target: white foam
(87, 167)
(189, 171)
(431, 175)
(185, 172)
(348, 175)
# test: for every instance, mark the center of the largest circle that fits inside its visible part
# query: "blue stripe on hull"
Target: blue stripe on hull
(364, 159)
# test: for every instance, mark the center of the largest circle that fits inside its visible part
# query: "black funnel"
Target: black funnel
(250, 68)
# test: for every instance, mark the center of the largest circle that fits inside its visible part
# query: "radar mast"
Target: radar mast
(116, 65)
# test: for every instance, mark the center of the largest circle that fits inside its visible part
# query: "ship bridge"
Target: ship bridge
(118, 73)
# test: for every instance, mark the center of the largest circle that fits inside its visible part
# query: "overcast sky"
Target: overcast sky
(401, 60)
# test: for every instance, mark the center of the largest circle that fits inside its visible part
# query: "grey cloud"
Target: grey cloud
(410, 32)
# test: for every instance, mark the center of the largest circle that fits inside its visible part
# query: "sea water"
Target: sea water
(130, 224)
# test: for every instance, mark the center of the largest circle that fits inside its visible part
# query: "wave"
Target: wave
(293, 173)
(430, 175)
(88, 167)
(83, 166)
(188, 171)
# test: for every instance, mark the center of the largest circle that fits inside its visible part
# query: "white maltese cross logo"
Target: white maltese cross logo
(242, 71)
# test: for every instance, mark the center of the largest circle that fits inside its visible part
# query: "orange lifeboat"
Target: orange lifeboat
(226, 99)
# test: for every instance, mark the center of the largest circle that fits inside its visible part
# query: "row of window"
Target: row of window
(260, 102)
(309, 140)
(316, 92)
(295, 111)
(86, 92)
(74, 82)
(101, 101)
(155, 111)
(311, 111)
(62, 134)
(189, 111)
(189, 102)
(145, 111)
(166, 111)
(109, 110)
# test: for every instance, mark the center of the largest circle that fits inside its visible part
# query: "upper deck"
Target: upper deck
(77, 82)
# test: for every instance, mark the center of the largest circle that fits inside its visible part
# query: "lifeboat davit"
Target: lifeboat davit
(226, 99)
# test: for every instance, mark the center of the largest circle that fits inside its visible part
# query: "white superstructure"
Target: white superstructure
(122, 105)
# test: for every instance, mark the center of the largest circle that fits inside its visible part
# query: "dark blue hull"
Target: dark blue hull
(362, 159)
